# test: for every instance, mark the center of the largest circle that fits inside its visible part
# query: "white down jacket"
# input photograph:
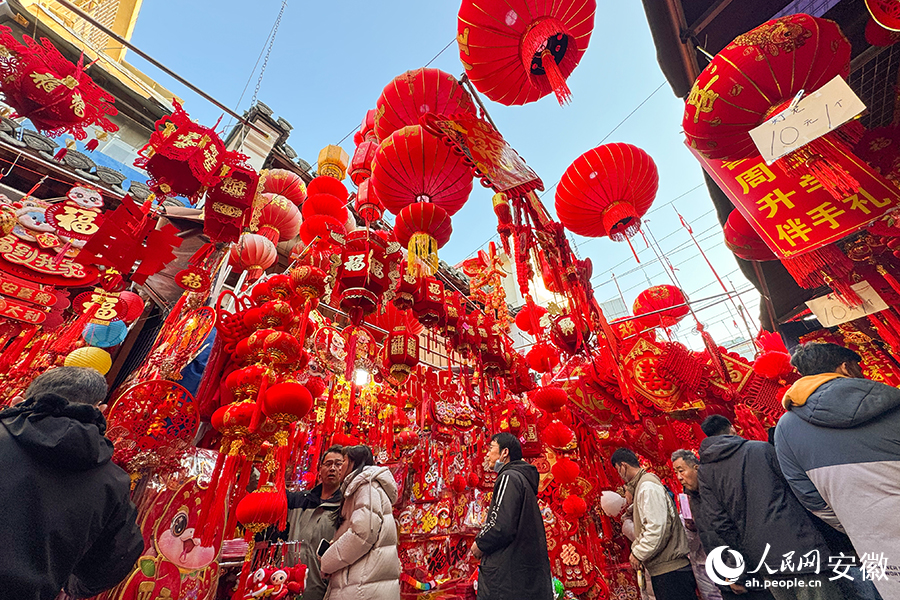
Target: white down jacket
(362, 563)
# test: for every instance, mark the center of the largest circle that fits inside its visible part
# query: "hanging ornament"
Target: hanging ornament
(401, 353)
(743, 241)
(279, 218)
(284, 183)
(333, 162)
(254, 253)
(408, 97)
(666, 298)
(423, 229)
(367, 204)
(361, 163)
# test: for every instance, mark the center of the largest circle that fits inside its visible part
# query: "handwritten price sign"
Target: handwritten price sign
(803, 121)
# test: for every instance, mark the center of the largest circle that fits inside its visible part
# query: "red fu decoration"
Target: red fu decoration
(606, 191)
(518, 51)
(55, 94)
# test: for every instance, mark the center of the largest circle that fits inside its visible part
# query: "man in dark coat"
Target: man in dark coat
(839, 447)
(65, 515)
(748, 507)
(512, 544)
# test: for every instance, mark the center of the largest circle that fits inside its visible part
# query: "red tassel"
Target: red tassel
(64, 342)
(890, 279)
(824, 266)
(888, 334)
(555, 78)
(92, 145)
(60, 154)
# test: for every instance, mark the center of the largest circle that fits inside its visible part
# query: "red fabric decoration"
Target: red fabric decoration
(423, 228)
(288, 398)
(565, 471)
(606, 191)
(401, 352)
(56, 95)
(259, 509)
(529, 318)
(458, 484)
(428, 302)
(414, 166)
(661, 297)
(550, 399)
(409, 96)
(517, 51)
(542, 358)
(557, 435)
(574, 506)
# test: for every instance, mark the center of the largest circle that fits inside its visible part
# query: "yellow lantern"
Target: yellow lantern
(90, 357)
(333, 162)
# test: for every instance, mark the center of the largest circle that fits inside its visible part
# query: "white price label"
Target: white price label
(830, 311)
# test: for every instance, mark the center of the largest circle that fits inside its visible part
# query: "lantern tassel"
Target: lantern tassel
(423, 246)
(555, 78)
(826, 265)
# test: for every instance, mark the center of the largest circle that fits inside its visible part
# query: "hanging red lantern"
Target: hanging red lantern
(288, 398)
(885, 12)
(414, 166)
(666, 298)
(574, 507)
(551, 399)
(309, 283)
(324, 211)
(557, 435)
(743, 241)
(565, 471)
(56, 95)
(364, 275)
(529, 318)
(407, 286)
(366, 130)
(454, 312)
(423, 229)
(542, 358)
(401, 353)
(362, 351)
(428, 303)
(254, 253)
(367, 204)
(279, 218)
(566, 334)
(518, 51)
(284, 183)
(276, 314)
(877, 35)
(134, 304)
(606, 191)
(261, 508)
(361, 163)
(406, 439)
(410, 96)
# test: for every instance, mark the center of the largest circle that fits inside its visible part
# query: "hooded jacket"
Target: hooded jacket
(660, 542)
(747, 505)
(839, 447)
(515, 564)
(310, 521)
(362, 563)
(65, 514)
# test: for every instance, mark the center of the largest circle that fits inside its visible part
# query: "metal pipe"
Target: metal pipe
(69, 6)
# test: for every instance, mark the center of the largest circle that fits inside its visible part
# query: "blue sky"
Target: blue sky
(331, 60)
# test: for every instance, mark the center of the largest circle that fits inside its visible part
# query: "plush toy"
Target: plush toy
(286, 581)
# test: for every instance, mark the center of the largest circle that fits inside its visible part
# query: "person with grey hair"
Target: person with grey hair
(67, 523)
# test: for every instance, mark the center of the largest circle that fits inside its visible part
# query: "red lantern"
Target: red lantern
(361, 351)
(407, 439)
(56, 95)
(423, 229)
(428, 304)
(410, 96)
(244, 383)
(288, 398)
(135, 306)
(529, 318)
(551, 399)
(279, 219)
(284, 183)
(228, 203)
(324, 211)
(557, 435)
(364, 274)
(885, 12)
(254, 253)
(518, 51)
(401, 353)
(407, 286)
(565, 471)
(366, 129)
(361, 163)
(266, 506)
(454, 312)
(276, 314)
(743, 241)
(606, 191)
(575, 507)
(877, 35)
(414, 166)
(542, 358)
(367, 204)
(667, 298)
(566, 334)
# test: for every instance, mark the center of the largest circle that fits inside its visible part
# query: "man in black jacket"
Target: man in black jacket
(66, 519)
(512, 544)
(748, 507)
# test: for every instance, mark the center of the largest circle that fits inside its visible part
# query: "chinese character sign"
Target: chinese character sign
(794, 216)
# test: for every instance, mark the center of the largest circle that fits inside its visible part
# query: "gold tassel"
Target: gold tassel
(422, 249)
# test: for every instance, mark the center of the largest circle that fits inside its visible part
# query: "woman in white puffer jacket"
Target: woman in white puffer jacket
(362, 562)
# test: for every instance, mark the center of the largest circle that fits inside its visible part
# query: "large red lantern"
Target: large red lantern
(284, 183)
(518, 51)
(666, 298)
(279, 219)
(743, 241)
(412, 165)
(56, 95)
(324, 211)
(606, 191)
(254, 253)
(755, 75)
(409, 96)
(289, 398)
(423, 229)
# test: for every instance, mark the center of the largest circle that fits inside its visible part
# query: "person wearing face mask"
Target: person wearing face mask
(512, 544)
(838, 445)
(311, 519)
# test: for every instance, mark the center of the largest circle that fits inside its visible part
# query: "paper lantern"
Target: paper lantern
(743, 241)
(254, 253)
(407, 286)
(105, 335)
(410, 96)
(529, 318)
(406, 439)
(518, 51)
(428, 303)
(423, 228)
(333, 162)
(565, 471)
(557, 435)
(261, 508)
(877, 35)
(90, 357)
(550, 399)
(606, 191)
(228, 204)
(401, 353)
(279, 218)
(885, 12)
(754, 75)
(542, 358)
(284, 183)
(412, 165)
(574, 506)
(328, 185)
(366, 130)
(666, 298)
(367, 204)
(569, 333)
(56, 95)
(288, 398)
(135, 306)
(363, 276)
(361, 163)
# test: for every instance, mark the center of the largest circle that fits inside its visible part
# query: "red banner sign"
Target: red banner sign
(794, 215)
(13, 309)
(25, 261)
(28, 293)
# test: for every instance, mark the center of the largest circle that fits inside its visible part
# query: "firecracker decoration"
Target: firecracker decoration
(486, 275)
(56, 95)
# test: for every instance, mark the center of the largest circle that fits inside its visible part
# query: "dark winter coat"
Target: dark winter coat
(747, 504)
(311, 520)
(515, 564)
(839, 447)
(66, 519)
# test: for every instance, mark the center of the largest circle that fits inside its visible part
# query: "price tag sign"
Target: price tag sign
(831, 312)
(803, 121)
